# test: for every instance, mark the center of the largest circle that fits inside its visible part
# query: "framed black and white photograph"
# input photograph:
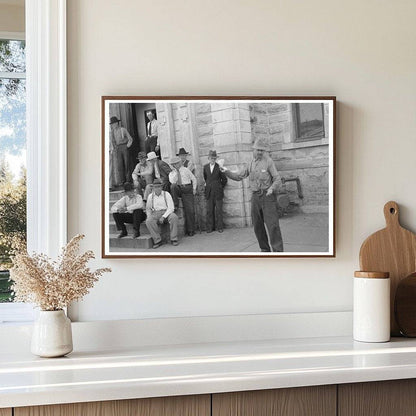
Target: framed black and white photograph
(218, 176)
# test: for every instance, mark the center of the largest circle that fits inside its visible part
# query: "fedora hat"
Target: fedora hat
(182, 151)
(212, 153)
(174, 160)
(114, 120)
(261, 144)
(151, 156)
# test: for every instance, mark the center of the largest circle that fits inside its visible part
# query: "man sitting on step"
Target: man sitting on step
(128, 209)
(160, 210)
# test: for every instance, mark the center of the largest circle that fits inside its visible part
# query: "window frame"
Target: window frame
(46, 138)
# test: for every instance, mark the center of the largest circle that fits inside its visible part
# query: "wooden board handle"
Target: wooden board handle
(391, 214)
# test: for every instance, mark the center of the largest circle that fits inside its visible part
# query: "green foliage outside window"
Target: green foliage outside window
(12, 145)
(12, 223)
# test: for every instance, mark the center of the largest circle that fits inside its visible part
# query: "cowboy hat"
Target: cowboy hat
(114, 120)
(182, 151)
(151, 156)
(261, 144)
(141, 155)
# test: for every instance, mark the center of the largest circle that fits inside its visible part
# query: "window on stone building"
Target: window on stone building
(309, 121)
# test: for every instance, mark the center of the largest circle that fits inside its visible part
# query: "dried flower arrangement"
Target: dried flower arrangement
(53, 285)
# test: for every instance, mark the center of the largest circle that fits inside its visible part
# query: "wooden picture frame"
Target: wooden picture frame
(293, 135)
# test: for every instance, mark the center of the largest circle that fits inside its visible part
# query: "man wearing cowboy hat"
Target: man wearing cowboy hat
(143, 173)
(264, 182)
(183, 185)
(183, 154)
(160, 210)
(121, 141)
(160, 170)
(215, 181)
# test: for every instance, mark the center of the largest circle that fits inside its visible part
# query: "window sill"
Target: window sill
(16, 313)
(309, 143)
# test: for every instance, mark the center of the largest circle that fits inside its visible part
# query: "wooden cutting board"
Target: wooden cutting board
(405, 305)
(393, 250)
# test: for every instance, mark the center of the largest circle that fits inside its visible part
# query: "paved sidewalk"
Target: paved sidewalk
(301, 233)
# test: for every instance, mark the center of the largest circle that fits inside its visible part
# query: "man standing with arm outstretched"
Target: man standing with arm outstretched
(264, 182)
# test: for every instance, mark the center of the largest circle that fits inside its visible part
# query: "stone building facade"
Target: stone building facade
(231, 128)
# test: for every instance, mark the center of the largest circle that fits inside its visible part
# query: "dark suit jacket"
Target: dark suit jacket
(164, 170)
(214, 182)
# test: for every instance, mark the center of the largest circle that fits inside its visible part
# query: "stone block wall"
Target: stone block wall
(273, 122)
(310, 164)
(202, 127)
(307, 160)
(231, 128)
(204, 131)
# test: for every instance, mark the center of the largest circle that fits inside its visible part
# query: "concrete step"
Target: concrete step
(129, 228)
(179, 212)
(143, 229)
(144, 241)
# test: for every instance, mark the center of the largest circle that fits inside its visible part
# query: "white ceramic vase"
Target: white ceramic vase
(52, 334)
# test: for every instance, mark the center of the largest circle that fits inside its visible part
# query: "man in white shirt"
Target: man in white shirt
(128, 209)
(183, 154)
(160, 210)
(152, 134)
(183, 185)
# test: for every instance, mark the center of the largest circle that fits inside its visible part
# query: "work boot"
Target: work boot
(122, 234)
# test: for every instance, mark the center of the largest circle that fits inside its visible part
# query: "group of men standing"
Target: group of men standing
(157, 187)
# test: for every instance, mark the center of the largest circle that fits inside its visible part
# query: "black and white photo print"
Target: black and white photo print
(218, 176)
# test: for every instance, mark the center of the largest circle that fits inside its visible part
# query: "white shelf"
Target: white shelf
(150, 371)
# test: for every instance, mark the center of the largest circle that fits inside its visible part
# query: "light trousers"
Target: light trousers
(154, 227)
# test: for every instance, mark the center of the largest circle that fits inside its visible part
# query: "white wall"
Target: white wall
(361, 51)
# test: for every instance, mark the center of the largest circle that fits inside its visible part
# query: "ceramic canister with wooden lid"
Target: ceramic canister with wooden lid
(371, 312)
